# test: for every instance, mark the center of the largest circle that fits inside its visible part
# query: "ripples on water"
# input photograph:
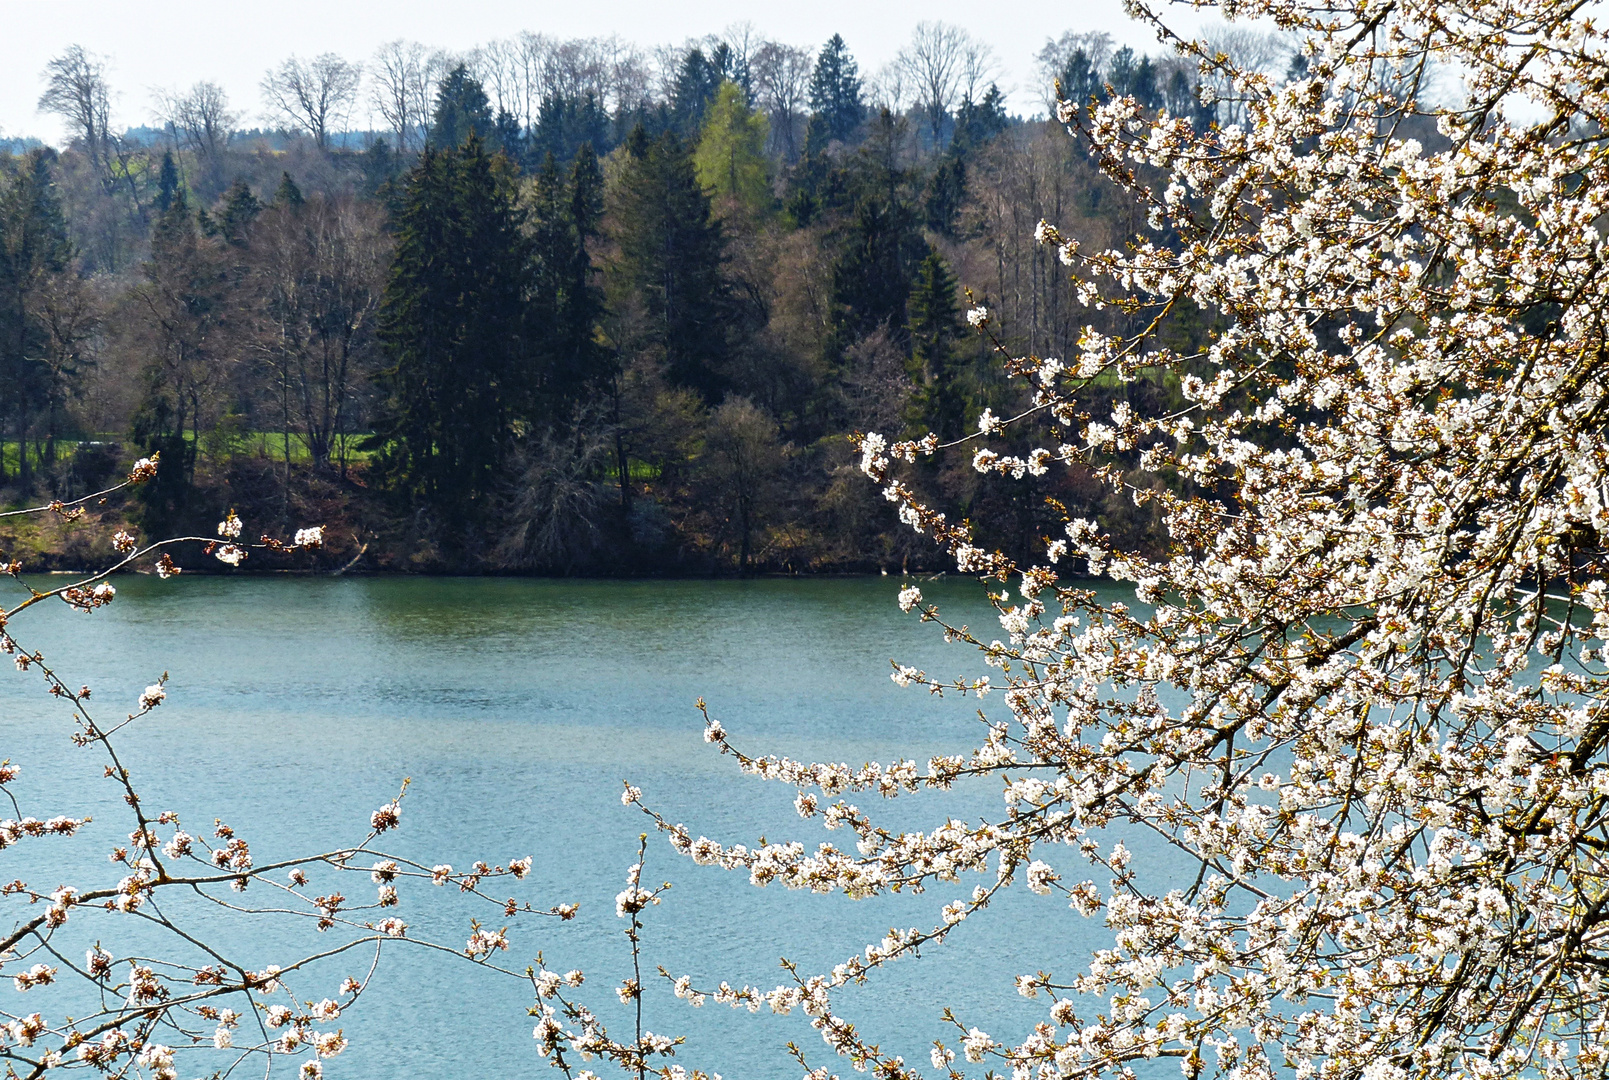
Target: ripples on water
(518, 707)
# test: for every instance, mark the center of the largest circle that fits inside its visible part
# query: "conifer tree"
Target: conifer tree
(238, 209)
(181, 312)
(882, 240)
(697, 81)
(1080, 79)
(976, 122)
(946, 191)
(167, 183)
(566, 303)
(934, 326)
(730, 159)
(671, 254)
(835, 91)
(451, 326)
(564, 123)
(287, 194)
(33, 248)
(462, 110)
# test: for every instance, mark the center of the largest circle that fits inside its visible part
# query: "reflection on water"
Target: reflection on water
(518, 707)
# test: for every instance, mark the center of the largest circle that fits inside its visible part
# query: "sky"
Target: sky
(166, 44)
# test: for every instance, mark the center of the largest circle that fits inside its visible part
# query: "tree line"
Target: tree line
(597, 328)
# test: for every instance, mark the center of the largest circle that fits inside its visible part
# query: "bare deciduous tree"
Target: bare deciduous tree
(942, 64)
(77, 91)
(782, 83)
(312, 95)
(318, 270)
(402, 79)
(203, 121)
(1243, 49)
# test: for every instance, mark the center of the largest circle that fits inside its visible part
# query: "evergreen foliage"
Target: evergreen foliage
(33, 248)
(881, 242)
(935, 324)
(566, 123)
(697, 82)
(946, 191)
(238, 209)
(462, 110)
(977, 122)
(452, 327)
(1081, 80)
(184, 299)
(167, 183)
(566, 300)
(671, 254)
(287, 194)
(835, 92)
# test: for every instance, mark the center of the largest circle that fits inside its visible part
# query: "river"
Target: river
(517, 707)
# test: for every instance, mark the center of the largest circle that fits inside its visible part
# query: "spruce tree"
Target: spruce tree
(287, 194)
(1081, 80)
(835, 91)
(881, 243)
(946, 191)
(451, 327)
(940, 399)
(671, 255)
(237, 210)
(697, 81)
(462, 110)
(33, 248)
(167, 183)
(977, 122)
(566, 304)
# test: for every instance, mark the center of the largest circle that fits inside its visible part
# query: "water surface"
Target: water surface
(517, 707)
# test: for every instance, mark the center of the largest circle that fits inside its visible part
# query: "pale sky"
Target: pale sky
(164, 44)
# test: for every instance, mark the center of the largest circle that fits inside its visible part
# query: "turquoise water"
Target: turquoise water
(518, 707)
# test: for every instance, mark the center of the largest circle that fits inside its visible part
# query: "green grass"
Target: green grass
(272, 444)
(269, 444)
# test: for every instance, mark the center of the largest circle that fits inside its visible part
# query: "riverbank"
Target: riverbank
(661, 526)
(368, 532)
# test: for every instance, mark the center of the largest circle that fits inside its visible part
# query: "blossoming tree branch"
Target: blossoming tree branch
(1363, 692)
(161, 988)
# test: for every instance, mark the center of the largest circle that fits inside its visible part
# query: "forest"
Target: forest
(576, 309)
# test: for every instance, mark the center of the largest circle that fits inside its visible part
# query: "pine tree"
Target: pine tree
(730, 158)
(462, 110)
(835, 91)
(671, 255)
(451, 327)
(167, 183)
